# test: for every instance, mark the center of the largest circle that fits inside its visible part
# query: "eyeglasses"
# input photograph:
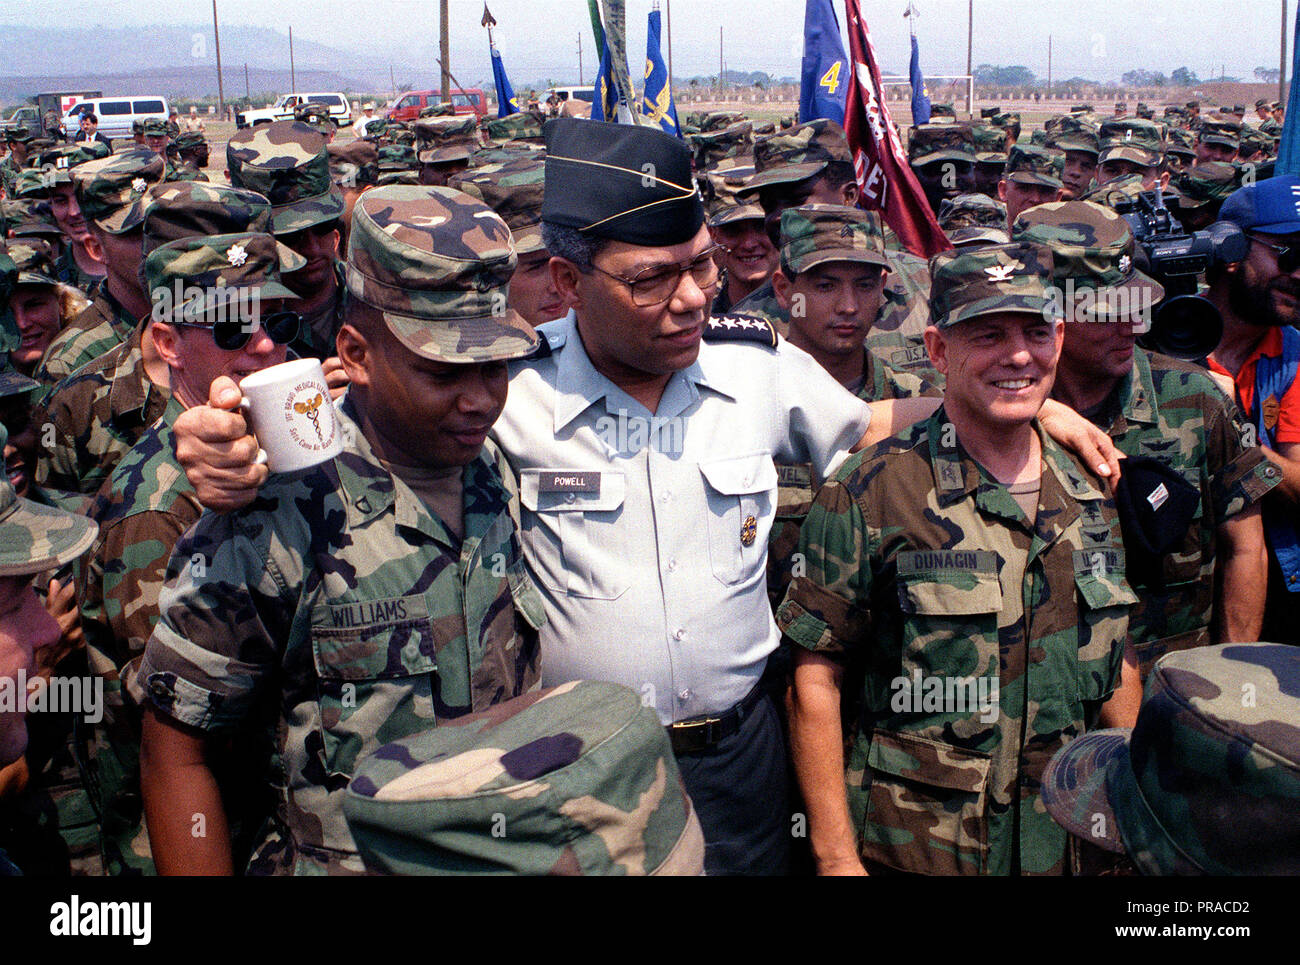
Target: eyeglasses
(655, 285)
(1288, 256)
(233, 334)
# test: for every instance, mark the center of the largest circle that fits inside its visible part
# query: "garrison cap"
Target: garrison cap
(1206, 183)
(1208, 781)
(990, 144)
(35, 538)
(798, 153)
(1035, 165)
(520, 126)
(1131, 139)
(287, 162)
(353, 164)
(110, 190)
(940, 142)
(34, 258)
(1092, 247)
(1065, 132)
(443, 139)
(514, 190)
(216, 269)
(620, 181)
(972, 282)
(815, 234)
(973, 219)
(583, 776)
(722, 187)
(1220, 130)
(437, 264)
(712, 147)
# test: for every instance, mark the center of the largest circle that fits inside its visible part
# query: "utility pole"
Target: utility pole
(1281, 76)
(668, 14)
(221, 90)
(392, 77)
(444, 47)
(1049, 65)
(721, 68)
(970, 36)
(580, 80)
(248, 94)
(293, 76)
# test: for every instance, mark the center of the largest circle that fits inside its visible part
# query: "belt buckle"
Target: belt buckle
(698, 734)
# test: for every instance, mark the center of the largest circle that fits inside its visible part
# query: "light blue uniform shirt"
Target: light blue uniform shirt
(647, 532)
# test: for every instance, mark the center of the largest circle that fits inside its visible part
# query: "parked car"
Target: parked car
(407, 107)
(116, 114)
(282, 109)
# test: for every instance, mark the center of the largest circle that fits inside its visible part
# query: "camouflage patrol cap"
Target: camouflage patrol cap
(315, 115)
(1179, 141)
(1144, 110)
(1208, 781)
(398, 165)
(973, 219)
(287, 162)
(437, 263)
(1081, 109)
(719, 120)
(443, 139)
(520, 126)
(212, 271)
(1118, 192)
(1178, 113)
(189, 141)
(1220, 130)
(1206, 183)
(1008, 121)
(28, 217)
(111, 190)
(34, 258)
(581, 778)
(1131, 139)
(35, 538)
(722, 187)
(20, 134)
(712, 147)
(55, 166)
(438, 110)
(13, 382)
(10, 335)
(137, 127)
(1066, 132)
(354, 164)
(972, 282)
(798, 153)
(1093, 249)
(943, 110)
(815, 234)
(940, 142)
(513, 189)
(990, 144)
(155, 127)
(1035, 165)
(1038, 137)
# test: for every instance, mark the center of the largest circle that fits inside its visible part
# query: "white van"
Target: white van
(116, 114)
(586, 93)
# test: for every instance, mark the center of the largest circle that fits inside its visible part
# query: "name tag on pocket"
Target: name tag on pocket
(946, 561)
(587, 483)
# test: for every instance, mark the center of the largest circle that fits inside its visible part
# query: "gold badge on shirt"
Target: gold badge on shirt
(748, 530)
(1270, 407)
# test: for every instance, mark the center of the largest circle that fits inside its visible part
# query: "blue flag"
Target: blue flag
(507, 103)
(920, 99)
(657, 98)
(604, 102)
(1288, 152)
(824, 84)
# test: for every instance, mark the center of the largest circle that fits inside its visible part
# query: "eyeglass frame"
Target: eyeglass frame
(681, 269)
(1280, 252)
(248, 331)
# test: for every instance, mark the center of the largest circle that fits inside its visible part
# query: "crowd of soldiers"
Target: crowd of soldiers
(684, 521)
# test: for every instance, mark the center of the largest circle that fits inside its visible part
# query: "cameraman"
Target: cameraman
(1259, 299)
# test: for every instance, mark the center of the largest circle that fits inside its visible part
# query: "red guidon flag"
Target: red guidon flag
(884, 176)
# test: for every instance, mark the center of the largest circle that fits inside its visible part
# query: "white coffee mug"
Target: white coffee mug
(289, 410)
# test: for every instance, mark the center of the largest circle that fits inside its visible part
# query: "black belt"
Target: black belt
(703, 733)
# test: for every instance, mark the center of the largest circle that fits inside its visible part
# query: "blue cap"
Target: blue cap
(1271, 206)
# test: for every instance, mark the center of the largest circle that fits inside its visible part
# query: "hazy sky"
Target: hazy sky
(1093, 38)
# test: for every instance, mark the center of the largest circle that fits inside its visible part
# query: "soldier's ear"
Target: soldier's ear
(781, 288)
(1002, 189)
(356, 353)
(166, 339)
(565, 277)
(937, 347)
(849, 191)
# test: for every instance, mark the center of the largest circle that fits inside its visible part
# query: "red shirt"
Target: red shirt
(1287, 428)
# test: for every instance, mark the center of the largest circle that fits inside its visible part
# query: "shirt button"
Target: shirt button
(672, 565)
(569, 497)
(665, 497)
(685, 695)
(679, 633)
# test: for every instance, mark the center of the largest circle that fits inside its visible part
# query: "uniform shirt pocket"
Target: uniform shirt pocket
(1104, 601)
(375, 661)
(951, 601)
(740, 492)
(573, 530)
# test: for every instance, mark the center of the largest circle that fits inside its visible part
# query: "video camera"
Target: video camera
(1185, 324)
